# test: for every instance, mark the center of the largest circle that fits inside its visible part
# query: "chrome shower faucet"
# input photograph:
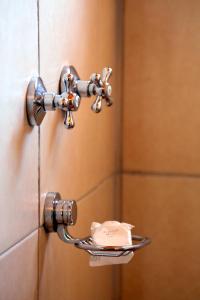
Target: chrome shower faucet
(39, 101)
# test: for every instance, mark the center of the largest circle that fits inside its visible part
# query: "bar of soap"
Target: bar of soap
(98, 261)
(111, 233)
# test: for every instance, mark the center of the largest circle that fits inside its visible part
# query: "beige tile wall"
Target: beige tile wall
(81, 163)
(161, 86)
(19, 270)
(161, 147)
(75, 162)
(82, 157)
(167, 210)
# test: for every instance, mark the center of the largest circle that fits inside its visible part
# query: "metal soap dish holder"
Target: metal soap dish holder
(59, 214)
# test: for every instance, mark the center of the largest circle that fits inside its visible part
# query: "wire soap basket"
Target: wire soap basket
(60, 214)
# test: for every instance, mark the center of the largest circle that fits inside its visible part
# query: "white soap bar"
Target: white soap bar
(98, 261)
(111, 233)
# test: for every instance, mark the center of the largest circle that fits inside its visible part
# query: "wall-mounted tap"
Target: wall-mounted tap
(39, 101)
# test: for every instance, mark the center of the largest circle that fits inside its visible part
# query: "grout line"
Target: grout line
(94, 188)
(38, 25)
(161, 174)
(79, 199)
(18, 242)
(38, 250)
(122, 84)
(122, 130)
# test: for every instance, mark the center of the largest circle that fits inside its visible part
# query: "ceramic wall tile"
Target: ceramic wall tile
(73, 161)
(161, 86)
(64, 270)
(19, 270)
(19, 142)
(167, 210)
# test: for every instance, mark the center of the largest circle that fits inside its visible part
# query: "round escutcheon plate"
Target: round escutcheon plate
(51, 201)
(34, 101)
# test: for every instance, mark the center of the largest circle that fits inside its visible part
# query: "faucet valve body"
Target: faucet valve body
(72, 89)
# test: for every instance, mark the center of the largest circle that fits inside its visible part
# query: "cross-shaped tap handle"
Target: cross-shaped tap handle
(102, 89)
(39, 101)
(69, 101)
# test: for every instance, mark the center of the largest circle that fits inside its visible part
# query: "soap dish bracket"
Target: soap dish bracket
(59, 214)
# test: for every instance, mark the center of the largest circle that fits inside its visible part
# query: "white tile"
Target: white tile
(18, 151)
(19, 270)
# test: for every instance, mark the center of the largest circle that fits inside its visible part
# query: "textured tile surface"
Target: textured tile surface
(73, 161)
(167, 210)
(18, 151)
(161, 86)
(19, 270)
(64, 270)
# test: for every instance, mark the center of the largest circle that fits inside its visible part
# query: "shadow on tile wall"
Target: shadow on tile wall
(161, 147)
(83, 164)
